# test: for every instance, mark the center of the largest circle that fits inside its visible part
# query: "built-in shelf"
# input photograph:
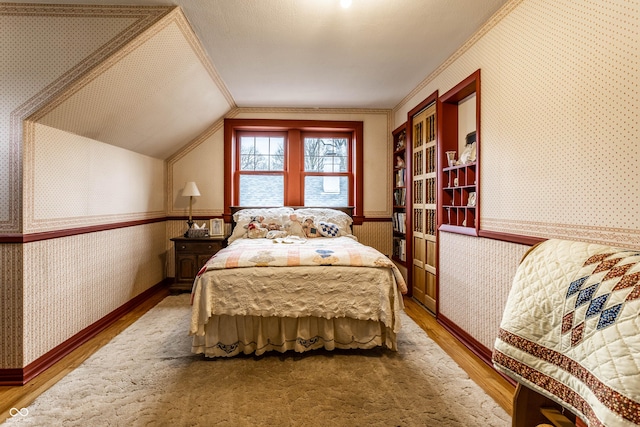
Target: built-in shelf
(459, 189)
(399, 192)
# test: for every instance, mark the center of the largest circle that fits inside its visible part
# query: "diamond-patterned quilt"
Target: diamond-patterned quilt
(571, 329)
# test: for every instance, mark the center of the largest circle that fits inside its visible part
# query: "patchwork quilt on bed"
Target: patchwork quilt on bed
(571, 329)
(341, 251)
(320, 277)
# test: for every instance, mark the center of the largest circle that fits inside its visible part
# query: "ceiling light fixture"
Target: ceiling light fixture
(345, 3)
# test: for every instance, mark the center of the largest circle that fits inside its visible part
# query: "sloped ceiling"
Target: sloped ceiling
(188, 70)
(155, 95)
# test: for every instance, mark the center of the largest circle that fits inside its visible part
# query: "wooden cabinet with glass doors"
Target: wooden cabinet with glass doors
(424, 202)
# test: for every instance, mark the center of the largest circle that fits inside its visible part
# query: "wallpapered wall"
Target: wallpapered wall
(42, 56)
(74, 281)
(560, 126)
(52, 289)
(75, 179)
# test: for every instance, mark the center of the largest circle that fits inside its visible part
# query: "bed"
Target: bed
(295, 279)
(570, 334)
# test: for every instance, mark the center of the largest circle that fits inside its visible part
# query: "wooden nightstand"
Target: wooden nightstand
(191, 254)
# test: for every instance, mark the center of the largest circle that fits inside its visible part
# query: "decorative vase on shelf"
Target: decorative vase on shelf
(451, 158)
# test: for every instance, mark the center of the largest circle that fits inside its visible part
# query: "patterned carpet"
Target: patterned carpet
(147, 376)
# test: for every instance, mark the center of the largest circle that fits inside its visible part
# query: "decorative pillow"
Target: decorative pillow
(328, 230)
(333, 216)
(310, 229)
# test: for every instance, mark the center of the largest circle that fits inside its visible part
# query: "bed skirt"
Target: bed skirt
(227, 336)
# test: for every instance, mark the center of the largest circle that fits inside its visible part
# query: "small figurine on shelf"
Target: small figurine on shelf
(469, 153)
(400, 142)
(472, 199)
(399, 162)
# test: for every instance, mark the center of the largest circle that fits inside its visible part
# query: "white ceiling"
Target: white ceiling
(314, 53)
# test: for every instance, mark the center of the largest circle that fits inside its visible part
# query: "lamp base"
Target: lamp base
(190, 225)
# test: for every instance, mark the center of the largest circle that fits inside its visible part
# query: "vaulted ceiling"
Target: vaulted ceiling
(267, 53)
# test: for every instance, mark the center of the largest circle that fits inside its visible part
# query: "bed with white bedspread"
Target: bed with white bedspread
(571, 329)
(295, 293)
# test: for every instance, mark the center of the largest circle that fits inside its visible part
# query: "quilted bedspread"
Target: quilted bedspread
(340, 251)
(320, 277)
(571, 329)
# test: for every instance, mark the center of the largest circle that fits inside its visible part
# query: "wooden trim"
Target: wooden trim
(463, 89)
(229, 155)
(513, 238)
(424, 104)
(294, 177)
(356, 128)
(11, 238)
(346, 209)
(12, 377)
(358, 174)
(198, 217)
(402, 127)
(471, 343)
(377, 219)
(56, 234)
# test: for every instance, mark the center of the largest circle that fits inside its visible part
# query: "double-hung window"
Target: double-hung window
(293, 163)
(261, 168)
(327, 170)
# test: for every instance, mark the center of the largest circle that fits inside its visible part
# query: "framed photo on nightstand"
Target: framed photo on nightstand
(216, 227)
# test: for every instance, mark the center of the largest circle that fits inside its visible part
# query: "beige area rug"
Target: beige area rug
(147, 376)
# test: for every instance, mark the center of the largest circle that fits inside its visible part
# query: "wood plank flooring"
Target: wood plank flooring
(494, 384)
(22, 396)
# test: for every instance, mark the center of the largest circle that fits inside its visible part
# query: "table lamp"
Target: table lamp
(190, 189)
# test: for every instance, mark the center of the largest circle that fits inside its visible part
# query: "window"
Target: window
(293, 163)
(260, 166)
(326, 169)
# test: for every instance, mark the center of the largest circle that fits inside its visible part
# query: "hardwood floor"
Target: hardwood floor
(22, 396)
(494, 384)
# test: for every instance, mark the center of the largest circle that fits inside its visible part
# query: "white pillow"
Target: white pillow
(269, 214)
